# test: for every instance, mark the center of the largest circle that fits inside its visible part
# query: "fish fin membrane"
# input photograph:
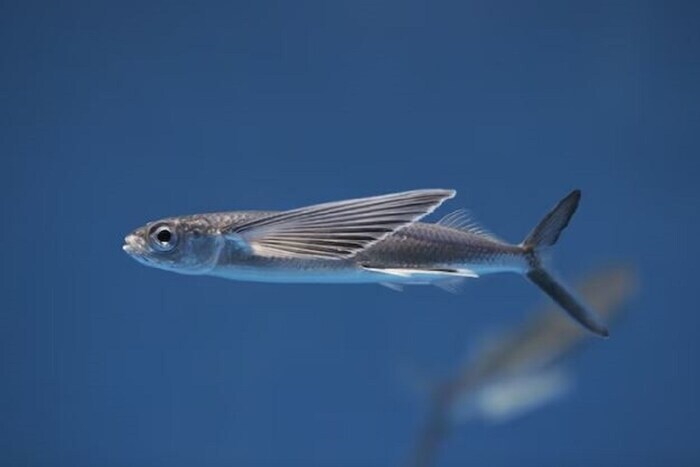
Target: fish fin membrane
(451, 284)
(462, 219)
(547, 232)
(567, 300)
(544, 235)
(396, 287)
(336, 230)
(424, 275)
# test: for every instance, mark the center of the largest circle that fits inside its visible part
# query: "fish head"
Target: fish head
(186, 245)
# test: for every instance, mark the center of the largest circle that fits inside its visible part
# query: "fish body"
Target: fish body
(420, 253)
(378, 239)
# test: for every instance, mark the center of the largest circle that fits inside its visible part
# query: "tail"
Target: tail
(544, 235)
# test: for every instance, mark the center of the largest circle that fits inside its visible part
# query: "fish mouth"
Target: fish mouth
(134, 245)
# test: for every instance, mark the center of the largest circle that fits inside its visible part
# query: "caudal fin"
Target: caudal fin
(546, 234)
(567, 301)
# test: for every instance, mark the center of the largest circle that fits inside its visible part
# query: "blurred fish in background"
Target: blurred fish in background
(521, 370)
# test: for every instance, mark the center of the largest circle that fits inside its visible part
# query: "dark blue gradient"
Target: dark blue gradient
(114, 114)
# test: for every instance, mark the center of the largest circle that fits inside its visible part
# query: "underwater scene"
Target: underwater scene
(368, 233)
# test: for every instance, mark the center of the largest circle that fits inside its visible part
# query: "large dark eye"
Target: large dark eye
(162, 237)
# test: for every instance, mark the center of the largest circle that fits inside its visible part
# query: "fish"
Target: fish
(377, 239)
(520, 370)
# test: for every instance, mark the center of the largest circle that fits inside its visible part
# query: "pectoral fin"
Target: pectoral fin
(336, 230)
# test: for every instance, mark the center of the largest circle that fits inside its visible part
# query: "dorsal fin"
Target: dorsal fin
(462, 219)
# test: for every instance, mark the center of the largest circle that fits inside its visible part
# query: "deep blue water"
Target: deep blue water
(117, 114)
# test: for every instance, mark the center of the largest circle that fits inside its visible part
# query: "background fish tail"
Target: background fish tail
(545, 235)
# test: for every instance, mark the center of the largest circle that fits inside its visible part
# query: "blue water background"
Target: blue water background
(114, 114)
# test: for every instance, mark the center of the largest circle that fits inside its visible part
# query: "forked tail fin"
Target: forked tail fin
(567, 301)
(546, 234)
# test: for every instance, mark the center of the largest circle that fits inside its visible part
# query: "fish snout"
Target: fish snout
(134, 245)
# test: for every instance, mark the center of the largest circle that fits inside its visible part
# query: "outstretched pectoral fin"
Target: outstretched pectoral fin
(336, 230)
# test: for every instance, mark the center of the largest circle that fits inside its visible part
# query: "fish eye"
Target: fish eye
(162, 237)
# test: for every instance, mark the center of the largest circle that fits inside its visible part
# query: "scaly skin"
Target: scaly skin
(418, 246)
(366, 240)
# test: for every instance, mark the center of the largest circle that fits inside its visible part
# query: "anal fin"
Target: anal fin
(452, 285)
(395, 286)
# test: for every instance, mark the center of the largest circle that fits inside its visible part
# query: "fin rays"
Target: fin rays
(434, 273)
(336, 230)
(462, 219)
